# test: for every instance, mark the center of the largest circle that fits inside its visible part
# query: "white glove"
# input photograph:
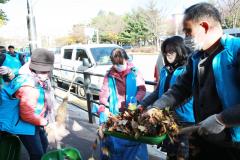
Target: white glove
(211, 125)
(4, 70)
(157, 104)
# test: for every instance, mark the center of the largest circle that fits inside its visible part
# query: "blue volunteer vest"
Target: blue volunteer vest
(131, 91)
(9, 110)
(13, 63)
(185, 112)
(225, 73)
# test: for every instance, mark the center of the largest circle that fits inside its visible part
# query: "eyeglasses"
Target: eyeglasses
(169, 52)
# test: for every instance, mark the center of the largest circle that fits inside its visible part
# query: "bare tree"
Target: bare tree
(77, 35)
(154, 20)
(109, 25)
(230, 11)
(3, 16)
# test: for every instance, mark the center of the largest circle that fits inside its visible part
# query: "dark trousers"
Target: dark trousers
(37, 144)
(204, 149)
(178, 149)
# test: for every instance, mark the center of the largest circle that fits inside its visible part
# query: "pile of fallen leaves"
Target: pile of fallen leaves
(136, 124)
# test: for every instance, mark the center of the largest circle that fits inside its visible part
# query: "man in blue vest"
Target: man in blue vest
(10, 63)
(212, 77)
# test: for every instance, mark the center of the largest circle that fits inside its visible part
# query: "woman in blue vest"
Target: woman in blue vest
(175, 56)
(27, 103)
(122, 84)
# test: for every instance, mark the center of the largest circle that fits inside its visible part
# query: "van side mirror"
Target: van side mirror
(86, 62)
(85, 65)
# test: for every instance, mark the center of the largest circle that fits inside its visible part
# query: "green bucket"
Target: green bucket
(68, 153)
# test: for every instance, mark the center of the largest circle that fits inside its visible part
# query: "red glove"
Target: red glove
(140, 108)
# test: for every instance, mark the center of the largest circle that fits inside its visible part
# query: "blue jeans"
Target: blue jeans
(37, 144)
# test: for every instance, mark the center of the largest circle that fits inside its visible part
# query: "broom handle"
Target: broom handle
(67, 94)
(75, 70)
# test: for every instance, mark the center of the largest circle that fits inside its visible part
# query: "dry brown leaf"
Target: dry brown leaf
(91, 158)
(105, 151)
(94, 145)
(142, 128)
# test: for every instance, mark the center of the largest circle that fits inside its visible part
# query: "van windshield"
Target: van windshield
(102, 55)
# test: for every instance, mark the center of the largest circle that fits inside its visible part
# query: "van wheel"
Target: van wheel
(80, 90)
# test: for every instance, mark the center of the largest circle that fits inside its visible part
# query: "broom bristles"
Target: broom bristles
(62, 112)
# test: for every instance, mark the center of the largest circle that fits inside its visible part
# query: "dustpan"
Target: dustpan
(10, 147)
(68, 153)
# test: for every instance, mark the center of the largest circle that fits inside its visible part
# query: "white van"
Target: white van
(71, 58)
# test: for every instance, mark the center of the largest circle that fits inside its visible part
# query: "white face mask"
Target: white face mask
(120, 67)
(197, 45)
(198, 40)
(42, 77)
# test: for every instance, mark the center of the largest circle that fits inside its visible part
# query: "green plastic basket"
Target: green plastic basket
(142, 139)
(62, 154)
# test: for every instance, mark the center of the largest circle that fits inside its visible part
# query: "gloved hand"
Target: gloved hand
(4, 70)
(141, 108)
(150, 112)
(211, 125)
(103, 116)
(157, 104)
(7, 71)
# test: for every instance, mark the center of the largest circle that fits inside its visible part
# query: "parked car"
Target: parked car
(127, 46)
(232, 31)
(71, 58)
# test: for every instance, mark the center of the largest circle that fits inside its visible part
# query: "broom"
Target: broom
(62, 109)
(60, 124)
